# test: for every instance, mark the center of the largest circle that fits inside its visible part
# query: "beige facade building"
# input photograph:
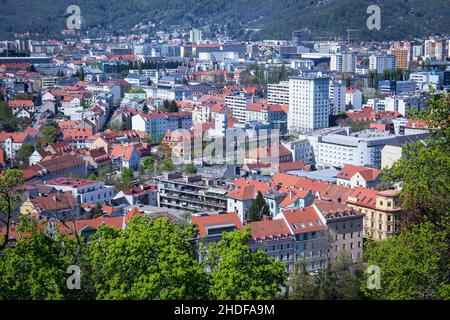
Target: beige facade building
(382, 212)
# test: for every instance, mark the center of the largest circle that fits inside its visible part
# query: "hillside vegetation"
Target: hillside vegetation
(401, 19)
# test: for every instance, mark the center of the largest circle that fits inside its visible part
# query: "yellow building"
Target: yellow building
(381, 209)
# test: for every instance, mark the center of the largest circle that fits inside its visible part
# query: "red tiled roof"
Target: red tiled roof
(301, 221)
(18, 137)
(203, 222)
(349, 170)
(363, 197)
(268, 229)
(21, 103)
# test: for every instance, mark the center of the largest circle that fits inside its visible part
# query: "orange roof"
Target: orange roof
(203, 222)
(114, 222)
(349, 170)
(77, 133)
(363, 197)
(242, 194)
(268, 229)
(292, 196)
(15, 136)
(261, 186)
(124, 151)
(301, 221)
(21, 103)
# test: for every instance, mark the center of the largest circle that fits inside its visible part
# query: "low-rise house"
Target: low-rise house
(60, 205)
(22, 108)
(78, 137)
(52, 167)
(211, 226)
(125, 156)
(85, 191)
(11, 142)
(142, 194)
(97, 159)
(358, 176)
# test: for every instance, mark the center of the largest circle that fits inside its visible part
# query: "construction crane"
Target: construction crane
(348, 34)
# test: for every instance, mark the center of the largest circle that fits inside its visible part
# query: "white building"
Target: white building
(359, 149)
(353, 98)
(238, 104)
(308, 103)
(278, 93)
(382, 62)
(343, 62)
(85, 191)
(136, 80)
(425, 79)
(195, 36)
(337, 94)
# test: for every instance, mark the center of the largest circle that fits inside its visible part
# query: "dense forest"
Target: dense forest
(400, 19)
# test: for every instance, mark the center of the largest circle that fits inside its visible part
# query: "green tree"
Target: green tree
(116, 125)
(11, 183)
(423, 172)
(237, 273)
(258, 208)
(190, 168)
(24, 153)
(127, 174)
(148, 260)
(149, 164)
(166, 165)
(23, 123)
(414, 265)
(50, 133)
(96, 212)
(35, 267)
(7, 120)
(81, 74)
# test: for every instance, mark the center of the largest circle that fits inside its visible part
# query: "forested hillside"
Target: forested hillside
(401, 19)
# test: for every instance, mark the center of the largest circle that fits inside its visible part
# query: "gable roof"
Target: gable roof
(349, 170)
(204, 222)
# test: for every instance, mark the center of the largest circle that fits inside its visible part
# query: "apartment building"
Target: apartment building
(308, 103)
(238, 104)
(343, 62)
(193, 193)
(345, 229)
(84, 191)
(382, 212)
(157, 124)
(381, 62)
(293, 237)
(278, 93)
(337, 94)
(402, 56)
